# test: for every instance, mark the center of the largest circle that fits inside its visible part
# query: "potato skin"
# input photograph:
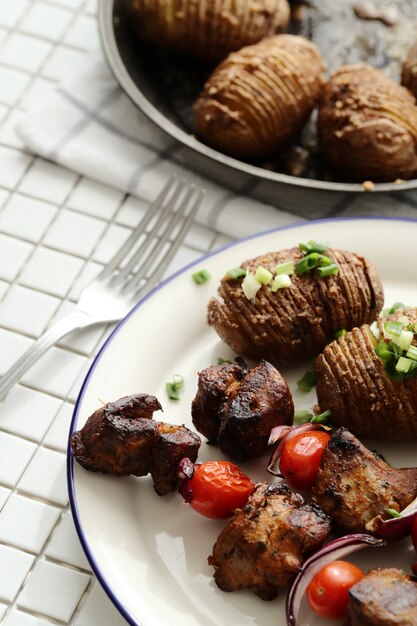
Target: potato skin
(409, 70)
(352, 383)
(206, 29)
(296, 323)
(367, 125)
(259, 97)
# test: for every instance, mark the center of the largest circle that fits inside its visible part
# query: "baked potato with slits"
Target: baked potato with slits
(295, 323)
(257, 99)
(409, 70)
(367, 125)
(353, 383)
(206, 29)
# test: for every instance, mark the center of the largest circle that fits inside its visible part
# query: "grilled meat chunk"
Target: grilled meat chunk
(121, 438)
(352, 382)
(238, 408)
(267, 541)
(354, 485)
(297, 322)
(384, 597)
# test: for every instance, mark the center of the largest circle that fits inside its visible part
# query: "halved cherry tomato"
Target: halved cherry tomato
(218, 488)
(300, 458)
(328, 592)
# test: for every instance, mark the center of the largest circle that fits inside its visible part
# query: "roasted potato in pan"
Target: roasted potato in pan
(259, 97)
(367, 126)
(353, 382)
(206, 29)
(409, 71)
(295, 323)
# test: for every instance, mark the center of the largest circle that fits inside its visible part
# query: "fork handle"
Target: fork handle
(75, 319)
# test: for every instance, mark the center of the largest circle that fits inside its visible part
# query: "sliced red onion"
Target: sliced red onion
(333, 551)
(185, 472)
(395, 528)
(281, 434)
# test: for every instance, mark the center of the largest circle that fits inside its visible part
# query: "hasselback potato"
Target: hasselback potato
(259, 97)
(353, 382)
(296, 322)
(367, 125)
(409, 70)
(206, 29)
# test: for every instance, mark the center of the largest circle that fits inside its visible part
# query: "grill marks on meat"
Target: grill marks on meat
(384, 597)
(122, 438)
(297, 322)
(266, 543)
(353, 485)
(238, 408)
(351, 381)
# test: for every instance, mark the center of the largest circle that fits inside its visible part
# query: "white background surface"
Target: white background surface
(56, 229)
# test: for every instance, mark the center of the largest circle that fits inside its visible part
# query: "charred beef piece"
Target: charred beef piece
(384, 597)
(297, 322)
(266, 543)
(238, 408)
(354, 485)
(121, 438)
(352, 382)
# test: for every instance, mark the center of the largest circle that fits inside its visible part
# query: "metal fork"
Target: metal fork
(116, 289)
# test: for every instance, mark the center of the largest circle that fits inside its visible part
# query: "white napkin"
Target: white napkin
(89, 125)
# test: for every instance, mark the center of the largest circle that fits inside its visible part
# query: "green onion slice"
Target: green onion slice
(403, 364)
(307, 382)
(383, 351)
(313, 246)
(325, 260)
(303, 416)
(393, 328)
(329, 270)
(263, 275)
(412, 353)
(285, 268)
(280, 282)
(236, 272)
(393, 513)
(307, 263)
(322, 418)
(174, 386)
(340, 333)
(200, 277)
(221, 361)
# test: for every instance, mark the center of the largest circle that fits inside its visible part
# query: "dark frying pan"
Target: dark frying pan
(164, 88)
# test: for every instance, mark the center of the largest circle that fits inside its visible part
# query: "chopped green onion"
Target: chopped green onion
(404, 340)
(263, 275)
(281, 282)
(201, 277)
(340, 333)
(173, 387)
(322, 418)
(393, 328)
(329, 270)
(236, 272)
(307, 263)
(383, 351)
(398, 306)
(393, 513)
(313, 246)
(285, 268)
(250, 286)
(403, 364)
(325, 260)
(412, 353)
(221, 361)
(307, 382)
(303, 416)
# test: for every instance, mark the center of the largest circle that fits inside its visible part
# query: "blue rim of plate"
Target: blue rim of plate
(70, 459)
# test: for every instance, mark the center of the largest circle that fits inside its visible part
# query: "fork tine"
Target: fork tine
(130, 242)
(195, 200)
(142, 251)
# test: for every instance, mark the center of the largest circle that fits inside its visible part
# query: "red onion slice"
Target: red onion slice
(281, 434)
(395, 528)
(333, 551)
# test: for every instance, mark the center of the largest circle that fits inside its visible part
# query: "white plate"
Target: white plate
(149, 552)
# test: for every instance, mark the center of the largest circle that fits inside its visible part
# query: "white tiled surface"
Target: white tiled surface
(56, 229)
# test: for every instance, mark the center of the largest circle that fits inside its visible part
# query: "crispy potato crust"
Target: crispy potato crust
(258, 98)
(205, 29)
(367, 125)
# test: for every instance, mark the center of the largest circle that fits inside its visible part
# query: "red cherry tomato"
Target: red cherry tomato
(300, 458)
(414, 534)
(218, 488)
(328, 592)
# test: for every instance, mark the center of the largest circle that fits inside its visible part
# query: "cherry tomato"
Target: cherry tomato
(300, 458)
(218, 488)
(414, 534)
(328, 592)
